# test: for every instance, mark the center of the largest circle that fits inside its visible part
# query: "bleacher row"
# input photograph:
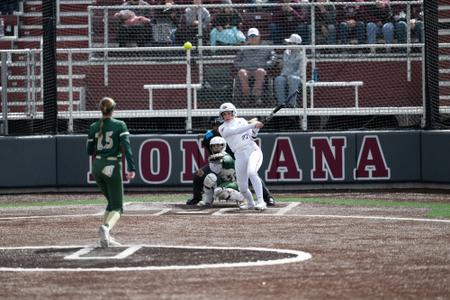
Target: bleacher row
(267, 19)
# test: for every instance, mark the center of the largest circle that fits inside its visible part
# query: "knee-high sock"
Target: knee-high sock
(257, 186)
(105, 216)
(112, 218)
(248, 196)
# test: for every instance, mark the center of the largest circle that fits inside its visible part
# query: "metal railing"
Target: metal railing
(70, 114)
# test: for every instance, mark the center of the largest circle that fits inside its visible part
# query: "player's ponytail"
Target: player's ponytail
(106, 106)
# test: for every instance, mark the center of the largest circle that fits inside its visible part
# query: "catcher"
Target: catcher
(220, 184)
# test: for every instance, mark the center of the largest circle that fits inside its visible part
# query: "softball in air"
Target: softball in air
(187, 46)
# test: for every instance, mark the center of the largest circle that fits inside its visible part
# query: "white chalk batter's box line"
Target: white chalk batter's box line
(80, 254)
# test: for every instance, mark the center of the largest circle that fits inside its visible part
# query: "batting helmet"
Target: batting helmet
(227, 107)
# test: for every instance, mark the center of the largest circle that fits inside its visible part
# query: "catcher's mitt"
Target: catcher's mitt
(216, 158)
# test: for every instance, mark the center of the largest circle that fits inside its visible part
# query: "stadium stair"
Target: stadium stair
(72, 32)
(444, 52)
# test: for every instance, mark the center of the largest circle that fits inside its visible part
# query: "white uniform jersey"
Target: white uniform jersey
(238, 133)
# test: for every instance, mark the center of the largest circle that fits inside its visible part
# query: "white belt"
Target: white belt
(245, 147)
(107, 158)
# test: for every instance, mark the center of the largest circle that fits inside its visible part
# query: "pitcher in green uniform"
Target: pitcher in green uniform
(107, 138)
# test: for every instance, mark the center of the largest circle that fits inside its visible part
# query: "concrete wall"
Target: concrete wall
(305, 158)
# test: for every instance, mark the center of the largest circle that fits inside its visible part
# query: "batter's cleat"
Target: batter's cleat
(247, 206)
(113, 242)
(270, 201)
(192, 201)
(260, 205)
(105, 239)
(204, 204)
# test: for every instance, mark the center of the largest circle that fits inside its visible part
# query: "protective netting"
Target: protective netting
(357, 65)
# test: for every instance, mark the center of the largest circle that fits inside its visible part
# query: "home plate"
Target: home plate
(196, 212)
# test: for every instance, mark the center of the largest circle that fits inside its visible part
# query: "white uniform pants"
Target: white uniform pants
(248, 161)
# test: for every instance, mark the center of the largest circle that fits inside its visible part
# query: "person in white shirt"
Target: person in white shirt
(239, 133)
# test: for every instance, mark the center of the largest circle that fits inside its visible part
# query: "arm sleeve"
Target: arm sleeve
(90, 147)
(125, 142)
(226, 132)
(271, 59)
(188, 17)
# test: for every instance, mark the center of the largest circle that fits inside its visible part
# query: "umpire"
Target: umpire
(200, 174)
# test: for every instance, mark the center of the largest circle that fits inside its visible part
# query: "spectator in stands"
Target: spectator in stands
(399, 22)
(417, 22)
(193, 17)
(164, 25)
(8, 7)
(379, 21)
(351, 23)
(138, 3)
(227, 27)
(133, 29)
(400, 26)
(287, 19)
(253, 63)
(325, 23)
(291, 71)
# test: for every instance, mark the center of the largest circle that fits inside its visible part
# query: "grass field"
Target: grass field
(435, 203)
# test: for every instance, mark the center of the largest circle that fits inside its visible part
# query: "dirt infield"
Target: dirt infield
(357, 252)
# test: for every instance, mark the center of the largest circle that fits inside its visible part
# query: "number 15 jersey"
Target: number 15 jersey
(114, 134)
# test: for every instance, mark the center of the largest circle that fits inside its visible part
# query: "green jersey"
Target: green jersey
(114, 134)
(224, 169)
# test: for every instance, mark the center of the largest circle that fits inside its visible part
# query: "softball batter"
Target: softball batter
(104, 140)
(238, 133)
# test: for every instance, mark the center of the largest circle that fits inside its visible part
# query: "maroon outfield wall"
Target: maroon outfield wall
(289, 159)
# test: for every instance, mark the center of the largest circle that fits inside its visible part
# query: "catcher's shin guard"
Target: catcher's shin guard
(228, 194)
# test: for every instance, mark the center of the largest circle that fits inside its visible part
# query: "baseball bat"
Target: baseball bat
(278, 107)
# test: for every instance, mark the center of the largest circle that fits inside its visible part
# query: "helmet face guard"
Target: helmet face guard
(218, 140)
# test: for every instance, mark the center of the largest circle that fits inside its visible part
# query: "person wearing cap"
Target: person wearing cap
(291, 71)
(253, 63)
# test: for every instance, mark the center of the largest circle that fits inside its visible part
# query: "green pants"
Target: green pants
(228, 184)
(108, 175)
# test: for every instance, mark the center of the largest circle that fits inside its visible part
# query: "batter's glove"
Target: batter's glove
(254, 120)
